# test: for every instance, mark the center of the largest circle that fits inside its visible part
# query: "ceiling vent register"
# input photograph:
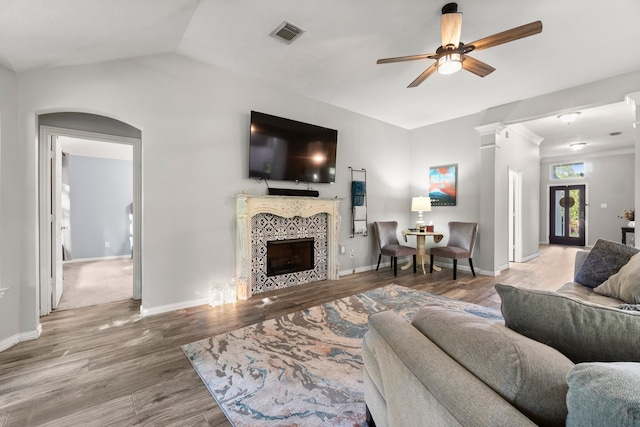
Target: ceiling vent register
(286, 32)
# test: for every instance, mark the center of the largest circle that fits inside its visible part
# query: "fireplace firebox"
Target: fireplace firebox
(289, 256)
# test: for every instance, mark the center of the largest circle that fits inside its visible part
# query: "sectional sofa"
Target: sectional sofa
(568, 357)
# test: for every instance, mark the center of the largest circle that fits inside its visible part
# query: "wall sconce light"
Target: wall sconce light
(420, 204)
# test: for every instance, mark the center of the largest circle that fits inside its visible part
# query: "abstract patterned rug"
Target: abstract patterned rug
(304, 368)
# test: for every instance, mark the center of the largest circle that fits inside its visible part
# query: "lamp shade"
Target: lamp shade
(420, 204)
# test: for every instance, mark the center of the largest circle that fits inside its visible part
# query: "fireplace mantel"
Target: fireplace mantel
(287, 207)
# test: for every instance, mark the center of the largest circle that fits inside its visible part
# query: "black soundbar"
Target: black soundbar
(292, 192)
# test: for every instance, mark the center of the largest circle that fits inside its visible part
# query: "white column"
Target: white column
(487, 241)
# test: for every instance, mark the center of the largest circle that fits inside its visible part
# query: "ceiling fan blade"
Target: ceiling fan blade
(507, 36)
(478, 68)
(422, 77)
(406, 58)
(451, 26)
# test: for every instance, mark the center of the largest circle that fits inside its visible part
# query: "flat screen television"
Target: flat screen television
(288, 150)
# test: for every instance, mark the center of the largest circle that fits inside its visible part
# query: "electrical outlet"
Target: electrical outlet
(351, 253)
(106, 244)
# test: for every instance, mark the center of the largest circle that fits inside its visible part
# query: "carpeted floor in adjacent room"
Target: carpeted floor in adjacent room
(96, 282)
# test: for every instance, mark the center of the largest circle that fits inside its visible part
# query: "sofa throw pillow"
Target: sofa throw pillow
(625, 284)
(604, 394)
(529, 375)
(604, 260)
(581, 331)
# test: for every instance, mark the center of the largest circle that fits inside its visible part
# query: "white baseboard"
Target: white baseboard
(172, 307)
(9, 342)
(20, 337)
(530, 257)
(102, 258)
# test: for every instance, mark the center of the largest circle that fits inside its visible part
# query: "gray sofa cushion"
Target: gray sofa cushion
(425, 386)
(530, 375)
(604, 260)
(625, 284)
(583, 332)
(604, 394)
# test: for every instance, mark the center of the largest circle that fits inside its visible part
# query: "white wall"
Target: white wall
(453, 141)
(11, 207)
(195, 125)
(101, 196)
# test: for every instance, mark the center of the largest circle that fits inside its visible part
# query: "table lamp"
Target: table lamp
(420, 204)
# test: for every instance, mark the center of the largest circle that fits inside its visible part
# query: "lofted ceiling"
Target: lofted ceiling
(334, 60)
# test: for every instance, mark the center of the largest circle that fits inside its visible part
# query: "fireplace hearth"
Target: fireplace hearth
(289, 256)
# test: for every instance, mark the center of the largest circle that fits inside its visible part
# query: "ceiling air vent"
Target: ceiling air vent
(286, 32)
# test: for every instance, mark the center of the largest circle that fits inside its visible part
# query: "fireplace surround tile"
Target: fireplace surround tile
(264, 218)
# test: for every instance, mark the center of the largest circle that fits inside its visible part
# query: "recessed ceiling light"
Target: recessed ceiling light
(568, 118)
(577, 146)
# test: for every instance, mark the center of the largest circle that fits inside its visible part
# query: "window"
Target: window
(567, 171)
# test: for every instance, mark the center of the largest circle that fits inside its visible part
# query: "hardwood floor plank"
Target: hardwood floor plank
(25, 385)
(116, 412)
(107, 365)
(181, 398)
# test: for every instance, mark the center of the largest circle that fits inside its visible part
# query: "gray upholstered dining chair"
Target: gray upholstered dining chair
(387, 234)
(462, 239)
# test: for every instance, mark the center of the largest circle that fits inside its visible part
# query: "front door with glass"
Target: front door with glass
(567, 215)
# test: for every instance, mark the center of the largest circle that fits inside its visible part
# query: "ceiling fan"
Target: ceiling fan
(453, 54)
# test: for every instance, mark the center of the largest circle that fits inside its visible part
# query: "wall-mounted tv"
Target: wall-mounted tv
(287, 150)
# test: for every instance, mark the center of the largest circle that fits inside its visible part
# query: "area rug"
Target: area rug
(304, 368)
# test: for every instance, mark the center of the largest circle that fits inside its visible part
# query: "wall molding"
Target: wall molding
(20, 337)
(161, 309)
(104, 258)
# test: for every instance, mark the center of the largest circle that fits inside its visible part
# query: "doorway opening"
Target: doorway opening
(97, 216)
(567, 215)
(56, 242)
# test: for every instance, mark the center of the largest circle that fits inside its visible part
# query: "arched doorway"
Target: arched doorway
(92, 128)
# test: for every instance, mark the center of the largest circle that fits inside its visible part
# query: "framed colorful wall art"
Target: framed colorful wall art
(443, 185)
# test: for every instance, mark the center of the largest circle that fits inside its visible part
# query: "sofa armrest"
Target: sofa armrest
(425, 385)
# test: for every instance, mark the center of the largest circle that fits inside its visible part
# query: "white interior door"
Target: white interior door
(65, 204)
(56, 222)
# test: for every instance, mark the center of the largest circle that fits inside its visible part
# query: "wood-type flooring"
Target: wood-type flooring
(108, 366)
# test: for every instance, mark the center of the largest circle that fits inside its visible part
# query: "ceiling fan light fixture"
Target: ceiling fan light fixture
(449, 63)
(577, 146)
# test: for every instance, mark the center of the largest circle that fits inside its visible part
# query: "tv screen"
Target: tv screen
(287, 150)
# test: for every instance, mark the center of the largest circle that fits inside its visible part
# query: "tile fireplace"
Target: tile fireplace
(310, 224)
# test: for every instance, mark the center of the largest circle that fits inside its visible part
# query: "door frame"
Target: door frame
(586, 207)
(515, 214)
(45, 189)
